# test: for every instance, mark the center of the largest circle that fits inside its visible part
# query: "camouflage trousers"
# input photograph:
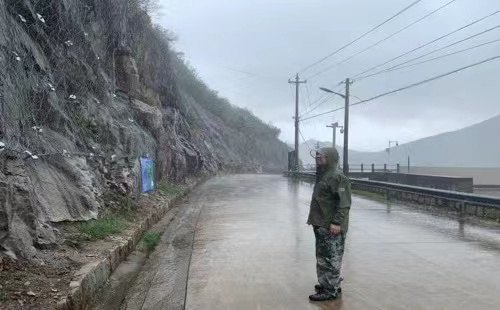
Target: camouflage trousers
(329, 253)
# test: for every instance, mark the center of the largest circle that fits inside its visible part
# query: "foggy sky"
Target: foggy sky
(247, 50)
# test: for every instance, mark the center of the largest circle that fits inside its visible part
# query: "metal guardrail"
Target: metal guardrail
(466, 198)
(302, 173)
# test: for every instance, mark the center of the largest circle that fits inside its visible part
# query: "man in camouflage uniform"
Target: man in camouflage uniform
(329, 216)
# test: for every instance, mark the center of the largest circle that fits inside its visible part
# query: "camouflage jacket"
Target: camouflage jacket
(331, 199)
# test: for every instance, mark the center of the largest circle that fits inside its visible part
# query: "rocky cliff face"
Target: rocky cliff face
(86, 88)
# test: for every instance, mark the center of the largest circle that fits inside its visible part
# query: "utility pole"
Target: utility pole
(346, 122)
(297, 82)
(334, 126)
(346, 128)
(389, 152)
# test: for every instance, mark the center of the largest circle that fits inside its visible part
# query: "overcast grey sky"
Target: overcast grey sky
(247, 50)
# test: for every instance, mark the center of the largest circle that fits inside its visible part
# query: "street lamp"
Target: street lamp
(331, 91)
(346, 123)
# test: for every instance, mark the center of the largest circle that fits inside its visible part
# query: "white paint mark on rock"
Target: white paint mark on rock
(40, 17)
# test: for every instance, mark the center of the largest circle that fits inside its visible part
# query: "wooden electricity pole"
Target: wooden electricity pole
(297, 82)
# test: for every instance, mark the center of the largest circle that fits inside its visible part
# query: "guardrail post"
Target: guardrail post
(385, 167)
(373, 168)
(461, 207)
(398, 168)
(362, 170)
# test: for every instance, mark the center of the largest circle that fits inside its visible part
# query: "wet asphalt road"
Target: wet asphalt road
(252, 250)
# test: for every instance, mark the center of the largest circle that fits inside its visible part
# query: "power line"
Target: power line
(302, 100)
(402, 65)
(241, 71)
(409, 86)
(429, 80)
(325, 97)
(383, 40)
(307, 96)
(450, 54)
(361, 37)
(321, 114)
(428, 43)
(307, 144)
(431, 52)
(322, 97)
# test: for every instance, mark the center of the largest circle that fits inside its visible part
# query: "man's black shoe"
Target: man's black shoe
(319, 289)
(322, 297)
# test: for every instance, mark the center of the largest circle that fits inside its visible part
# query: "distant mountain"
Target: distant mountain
(474, 146)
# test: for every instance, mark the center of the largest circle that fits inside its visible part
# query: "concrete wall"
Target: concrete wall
(487, 190)
(438, 182)
(481, 176)
(459, 184)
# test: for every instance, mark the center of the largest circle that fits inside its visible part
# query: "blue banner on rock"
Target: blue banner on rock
(147, 174)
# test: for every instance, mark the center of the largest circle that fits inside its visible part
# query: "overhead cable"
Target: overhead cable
(322, 97)
(429, 80)
(360, 37)
(409, 86)
(398, 66)
(307, 144)
(383, 40)
(427, 44)
(325, 97)
(450, 54)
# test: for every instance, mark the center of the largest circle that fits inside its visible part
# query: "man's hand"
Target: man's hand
(334, 229)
